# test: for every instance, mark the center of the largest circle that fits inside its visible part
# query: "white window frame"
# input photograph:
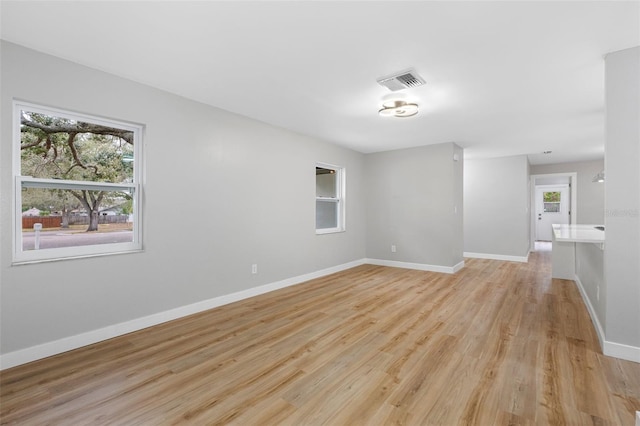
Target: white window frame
(340, 199)
(135, 188)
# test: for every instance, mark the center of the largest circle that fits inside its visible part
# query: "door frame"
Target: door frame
(573, 205)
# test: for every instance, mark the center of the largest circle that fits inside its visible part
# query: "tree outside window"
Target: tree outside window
(75, 166)
(551, 201)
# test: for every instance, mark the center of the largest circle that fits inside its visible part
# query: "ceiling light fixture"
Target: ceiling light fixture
(599, 177)
(398, 109)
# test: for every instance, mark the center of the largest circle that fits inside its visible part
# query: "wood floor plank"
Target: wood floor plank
(497, 343)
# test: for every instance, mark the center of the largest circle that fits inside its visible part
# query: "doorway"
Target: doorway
(552, 206)
(549, 181)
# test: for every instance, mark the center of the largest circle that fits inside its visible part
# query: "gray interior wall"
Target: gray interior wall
(414, 201)
(622, 196)
(589, 194)
(496, 206)
(210, 207)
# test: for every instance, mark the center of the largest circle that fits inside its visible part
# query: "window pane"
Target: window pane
(326, 183)
(329, 198)
(551, 197)
(551, 207)
(72, 218)
(326, 214)
(60, 148)
(77, 180)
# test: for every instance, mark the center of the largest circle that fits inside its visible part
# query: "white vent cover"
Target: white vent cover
(401, 80)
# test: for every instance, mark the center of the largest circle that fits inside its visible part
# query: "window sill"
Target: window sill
(329, 231)
(80, 256)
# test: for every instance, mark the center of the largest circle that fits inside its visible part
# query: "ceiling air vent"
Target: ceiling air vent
(401, 80)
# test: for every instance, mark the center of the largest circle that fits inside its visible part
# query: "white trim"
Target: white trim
(55, 347)
(31, 182)
(617, 350)
(418, 266)
(592, 312)
(509, 258)
(329, 231)
(458, 267)
(20, 256)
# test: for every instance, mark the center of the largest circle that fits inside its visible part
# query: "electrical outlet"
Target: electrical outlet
(393, 248)
(254, 268)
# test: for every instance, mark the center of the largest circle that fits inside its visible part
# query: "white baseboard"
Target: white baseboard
(592, 312)
(418, 266)
(458, 267)
(523, 259)
(55, 347)
(637, 418)
(616, 350)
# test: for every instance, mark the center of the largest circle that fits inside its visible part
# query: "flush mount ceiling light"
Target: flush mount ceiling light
(398, 109)
(599, 177)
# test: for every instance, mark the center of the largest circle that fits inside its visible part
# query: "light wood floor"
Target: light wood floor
(498, 343)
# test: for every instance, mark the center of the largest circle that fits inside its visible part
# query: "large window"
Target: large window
(77, 185)
(329, 198)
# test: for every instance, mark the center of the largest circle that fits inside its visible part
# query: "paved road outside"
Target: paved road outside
(55, 239)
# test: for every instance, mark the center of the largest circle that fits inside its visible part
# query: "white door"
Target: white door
(552, 206)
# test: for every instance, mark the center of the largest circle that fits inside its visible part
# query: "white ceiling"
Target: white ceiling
(503, 78)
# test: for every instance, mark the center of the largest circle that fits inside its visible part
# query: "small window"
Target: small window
(551, 202)
(77, 185)
(329, 199)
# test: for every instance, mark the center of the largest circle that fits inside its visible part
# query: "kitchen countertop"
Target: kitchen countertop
(578, 233)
